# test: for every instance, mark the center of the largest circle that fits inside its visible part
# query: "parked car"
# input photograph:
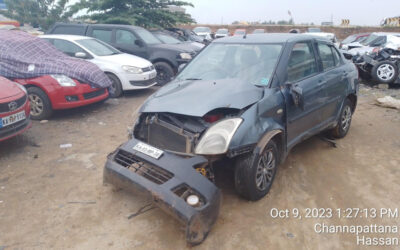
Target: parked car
(222, 33)
(239, 32)
(187, 35)
(258, 31)
(136, 41)
(375, 40)
(204, 32)
(314, 30)
(56, 92)
(346, 44)
(258, 97)
(382, 65)
(126, 72)
(14, 109)
(165, 37)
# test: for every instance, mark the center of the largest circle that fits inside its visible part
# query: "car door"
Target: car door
(303, 73)
(67, 47)
(334, 80)
(126, 41)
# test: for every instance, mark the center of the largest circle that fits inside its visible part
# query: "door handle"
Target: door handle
(321, 83)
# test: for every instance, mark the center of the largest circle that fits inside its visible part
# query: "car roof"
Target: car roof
(269, 38)
(66, 37)
(386, 33)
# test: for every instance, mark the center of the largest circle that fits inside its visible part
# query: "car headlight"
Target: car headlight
(21, 87)
(64, 81)
(217, 138)
(185, 56)
(132, 69)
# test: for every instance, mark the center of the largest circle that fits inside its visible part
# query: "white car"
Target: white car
(204, 32)
(375, 40)
(127, 72)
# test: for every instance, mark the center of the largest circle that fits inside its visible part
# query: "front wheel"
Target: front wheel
(385, 72)
(343, 126)
(115, 89)
(254, 173)
(40, 104)
(164, 73)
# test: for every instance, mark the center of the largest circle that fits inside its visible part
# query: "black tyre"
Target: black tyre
(385, 72)
(115, 89)
(165, 73)
(40, 104)
(254, 173)
(343, 126)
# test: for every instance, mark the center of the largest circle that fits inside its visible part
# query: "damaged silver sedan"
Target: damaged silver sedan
(248, 98)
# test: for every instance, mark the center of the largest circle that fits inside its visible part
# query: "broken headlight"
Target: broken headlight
(217, 138)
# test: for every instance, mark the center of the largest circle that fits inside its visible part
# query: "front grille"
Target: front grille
(13, 128)
(147, 69)
(152, 173)
(167, 139)
(94, 94)
(4, 107)
(143, 83)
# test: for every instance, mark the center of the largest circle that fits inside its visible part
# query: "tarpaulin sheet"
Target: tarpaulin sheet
(25, 56)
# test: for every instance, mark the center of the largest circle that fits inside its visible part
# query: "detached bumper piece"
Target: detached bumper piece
(173, 183)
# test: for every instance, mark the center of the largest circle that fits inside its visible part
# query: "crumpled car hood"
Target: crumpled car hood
(197, 98)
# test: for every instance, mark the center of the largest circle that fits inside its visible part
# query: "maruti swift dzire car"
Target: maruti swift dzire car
(248, 98)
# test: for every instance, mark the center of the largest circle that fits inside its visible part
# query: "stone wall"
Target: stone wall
(341, 32)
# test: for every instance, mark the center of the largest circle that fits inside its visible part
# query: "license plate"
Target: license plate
(148, 150)
(8, 120)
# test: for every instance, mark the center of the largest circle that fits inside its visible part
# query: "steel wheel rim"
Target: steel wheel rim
(385, 71)
(37, 105)
(265, 170)
(346, 118)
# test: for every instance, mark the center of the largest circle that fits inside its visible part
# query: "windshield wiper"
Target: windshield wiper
(193, 79)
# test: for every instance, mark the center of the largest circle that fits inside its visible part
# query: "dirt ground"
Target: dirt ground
(53, 198)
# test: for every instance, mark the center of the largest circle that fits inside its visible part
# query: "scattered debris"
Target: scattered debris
(289, 235)
(68, 145)
(35, 156)
(383, 86)
(389, 102)
(142, 210)
(44, 121)
(329, 141)
(102, 124)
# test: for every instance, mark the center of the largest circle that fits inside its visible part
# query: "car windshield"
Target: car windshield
(222, 31)
(369, 40)
(253, 63)
(147, 37)
(167, 38)
(350, 39)
(97, 47)
(202, 30)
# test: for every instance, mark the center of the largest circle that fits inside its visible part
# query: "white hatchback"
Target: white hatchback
(127, 72)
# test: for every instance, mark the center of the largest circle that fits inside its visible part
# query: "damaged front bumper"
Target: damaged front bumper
(170, 180)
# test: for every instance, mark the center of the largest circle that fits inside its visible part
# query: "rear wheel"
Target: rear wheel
(343, 126)
(164, 73)
(40, 104)
(254, 173)
(385, 72)
(115, 89)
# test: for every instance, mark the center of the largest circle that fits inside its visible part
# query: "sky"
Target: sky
(359, 12)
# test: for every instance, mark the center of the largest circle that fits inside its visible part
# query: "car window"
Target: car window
(147, 37)
(125, 37)
(103, 35)
(67, 47)
(301, 62)
(69, 30)
(97, 47)
(327, 57)
(336, 56)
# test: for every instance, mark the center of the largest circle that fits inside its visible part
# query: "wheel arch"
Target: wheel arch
(165, 61)
(277, 135)
(353, 99)
(28, 85)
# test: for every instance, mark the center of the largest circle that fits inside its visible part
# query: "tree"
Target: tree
(145, 13)
(38, 13)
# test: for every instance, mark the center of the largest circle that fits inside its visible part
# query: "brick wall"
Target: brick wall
(341, 32)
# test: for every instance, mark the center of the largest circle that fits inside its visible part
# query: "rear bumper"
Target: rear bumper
(168, 181)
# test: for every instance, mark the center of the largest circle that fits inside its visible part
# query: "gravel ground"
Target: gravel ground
(53, 198)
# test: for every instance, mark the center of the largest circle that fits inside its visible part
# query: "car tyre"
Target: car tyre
(343, 126)
(115, 90)
(164, 73)
(385, 72)
(40, 104)
(255, 172)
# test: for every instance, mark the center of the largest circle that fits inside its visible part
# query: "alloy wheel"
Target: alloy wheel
(265, 170)
(346, 118)
(37, 105)
(385, 72)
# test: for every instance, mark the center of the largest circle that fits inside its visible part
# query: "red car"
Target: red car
(53, 92)
(14, 109)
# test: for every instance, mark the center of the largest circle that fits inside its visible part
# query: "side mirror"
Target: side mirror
(348, 56)
(181, 67)
(80, 55)
(297, 95)
(139, 43)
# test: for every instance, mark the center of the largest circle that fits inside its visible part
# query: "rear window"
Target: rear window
(103, 35)
(69, 30)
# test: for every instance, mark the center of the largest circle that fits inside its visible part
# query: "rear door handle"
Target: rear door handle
(321, 83)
